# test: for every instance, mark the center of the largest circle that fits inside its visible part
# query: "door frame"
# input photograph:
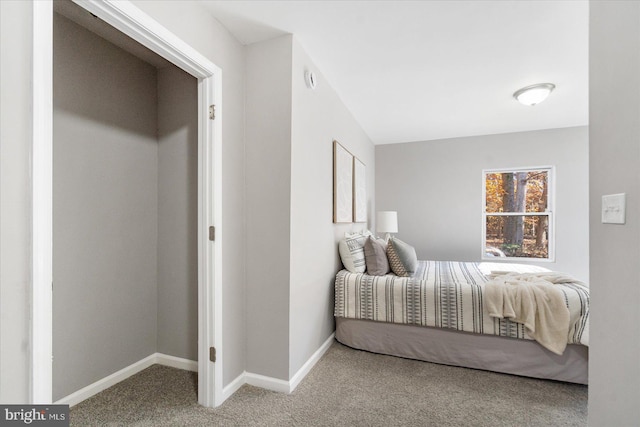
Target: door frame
(127, 18)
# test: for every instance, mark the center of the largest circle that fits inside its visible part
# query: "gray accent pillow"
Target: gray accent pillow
(402, 257)
(352, 252)
(375, 254)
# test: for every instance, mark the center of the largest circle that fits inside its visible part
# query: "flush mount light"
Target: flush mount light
(534, 94)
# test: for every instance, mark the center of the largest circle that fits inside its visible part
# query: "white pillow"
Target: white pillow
(352, 252)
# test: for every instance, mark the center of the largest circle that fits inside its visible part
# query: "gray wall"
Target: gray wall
(318, 117)
(292, 242)
(194, 24)
(177, 213)
(268, 162)
(614, 116)
(15, 199)
(436, 187)
(105, 216)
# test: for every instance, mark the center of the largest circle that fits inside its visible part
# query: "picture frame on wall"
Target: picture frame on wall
(359, 191)
(342, 184)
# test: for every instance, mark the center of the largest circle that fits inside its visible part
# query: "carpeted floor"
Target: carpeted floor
(347, 387)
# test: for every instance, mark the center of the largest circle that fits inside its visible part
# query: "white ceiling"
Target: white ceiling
(424, 70)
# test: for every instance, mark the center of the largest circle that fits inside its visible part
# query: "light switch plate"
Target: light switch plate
(613, 208)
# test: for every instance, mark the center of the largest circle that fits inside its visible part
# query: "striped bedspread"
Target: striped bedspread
(445, 294)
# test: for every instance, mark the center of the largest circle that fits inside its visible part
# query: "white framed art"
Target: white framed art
(342, 184)
(359, 191)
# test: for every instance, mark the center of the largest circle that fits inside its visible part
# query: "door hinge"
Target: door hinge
(212, 354)
(212, 112)
(212, 233)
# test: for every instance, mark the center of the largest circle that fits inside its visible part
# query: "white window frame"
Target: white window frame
(550, 212)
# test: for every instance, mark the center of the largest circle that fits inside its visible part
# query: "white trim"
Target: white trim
(127, 18)
(106, 382)
(269, 383)
(41, 379)
(176, 362)
(550, 213)
(210, 213)
(216, 219)
(547, 213)
(276, 384)
(234, 386)
(306, 368)
(256, 380)
(124, 373)
(130, 20)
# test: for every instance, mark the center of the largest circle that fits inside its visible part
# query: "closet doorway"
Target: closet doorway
(141, 168)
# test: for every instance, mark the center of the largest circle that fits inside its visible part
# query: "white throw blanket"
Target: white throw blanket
(533, 300)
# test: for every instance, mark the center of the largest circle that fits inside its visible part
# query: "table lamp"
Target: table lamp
(387, 222)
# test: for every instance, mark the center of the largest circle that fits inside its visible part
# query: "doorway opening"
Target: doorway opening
(127, 19)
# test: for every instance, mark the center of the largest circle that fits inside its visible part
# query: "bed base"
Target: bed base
(487, 352)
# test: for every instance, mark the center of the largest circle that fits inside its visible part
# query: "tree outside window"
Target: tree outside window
(517, 215)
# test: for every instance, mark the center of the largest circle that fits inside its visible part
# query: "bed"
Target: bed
(439, 315)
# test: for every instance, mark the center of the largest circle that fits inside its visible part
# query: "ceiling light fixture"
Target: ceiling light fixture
(534, 94)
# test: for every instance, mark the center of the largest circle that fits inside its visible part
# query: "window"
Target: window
(518, 214)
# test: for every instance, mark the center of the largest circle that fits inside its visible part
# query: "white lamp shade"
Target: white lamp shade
(534, 94)
(387, 222)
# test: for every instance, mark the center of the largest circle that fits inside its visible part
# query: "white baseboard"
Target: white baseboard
(256, 380)
(306, 368)
(233, 386)
(276, 384)
(176, 362)
(270, 383)
(113, 379)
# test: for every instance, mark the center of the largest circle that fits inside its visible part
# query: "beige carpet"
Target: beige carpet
(346, 388)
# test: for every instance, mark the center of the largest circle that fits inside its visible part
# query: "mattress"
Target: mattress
(448, 295)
